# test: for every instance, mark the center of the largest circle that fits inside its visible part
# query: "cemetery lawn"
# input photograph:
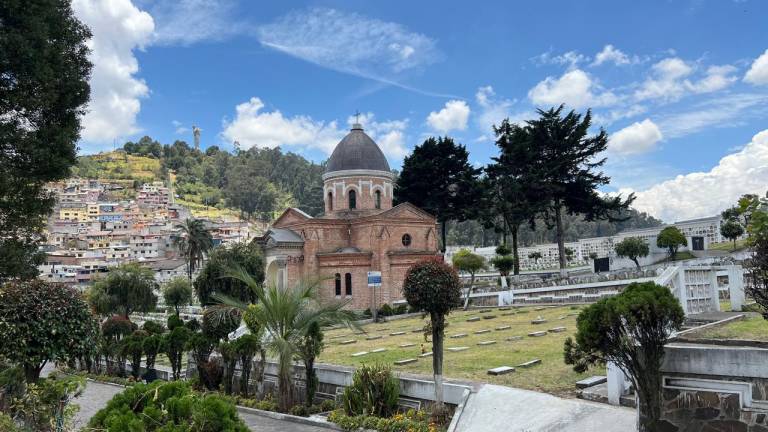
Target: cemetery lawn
(752, 327)
(551, 376)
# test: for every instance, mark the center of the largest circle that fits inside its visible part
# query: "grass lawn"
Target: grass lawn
(728, 246)
(162, 360)
(552, 375)
(750, 328)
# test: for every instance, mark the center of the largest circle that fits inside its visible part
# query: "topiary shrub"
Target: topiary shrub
(153, 327)
(163, 406)
(173, 346)
(374, 391)
(174, 321)
(117, 327)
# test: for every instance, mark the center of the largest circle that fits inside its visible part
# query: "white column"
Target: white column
(736, 287)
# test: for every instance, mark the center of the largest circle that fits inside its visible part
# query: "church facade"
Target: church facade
(360, 231)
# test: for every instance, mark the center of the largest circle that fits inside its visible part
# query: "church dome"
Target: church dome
(357, 151)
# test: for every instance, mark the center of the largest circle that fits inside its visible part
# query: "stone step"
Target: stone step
(457, 349)
(484, 343)
(501, 370)
(537, 334)
(529, 363)
(591, 381)
(405, 361)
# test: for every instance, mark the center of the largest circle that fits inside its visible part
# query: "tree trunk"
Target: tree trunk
(649, 408)
(32, 372)
(515, 252)
(438, 323)
(559, 237)
(637, 263)
(469, 291)
(311, 384)
(442, 235)
(284, 393)
(245, 374)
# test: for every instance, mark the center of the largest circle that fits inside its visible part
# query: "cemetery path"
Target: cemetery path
(496, 408)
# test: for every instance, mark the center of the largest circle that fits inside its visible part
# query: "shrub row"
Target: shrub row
(412, 421)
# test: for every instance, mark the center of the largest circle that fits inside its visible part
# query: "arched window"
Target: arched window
(348, 283)
(352, 199)
(378, 199)
(330, 201)
(338, 284)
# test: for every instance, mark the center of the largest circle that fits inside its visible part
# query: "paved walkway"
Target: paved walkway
(498, 408)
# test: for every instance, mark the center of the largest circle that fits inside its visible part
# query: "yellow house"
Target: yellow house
(74, 213)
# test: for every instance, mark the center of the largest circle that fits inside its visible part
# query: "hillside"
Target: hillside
(257, 183)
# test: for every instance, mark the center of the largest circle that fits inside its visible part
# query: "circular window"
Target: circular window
(406, 240)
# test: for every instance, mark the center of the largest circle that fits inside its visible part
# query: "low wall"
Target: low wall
(333, 379)
(715, 387)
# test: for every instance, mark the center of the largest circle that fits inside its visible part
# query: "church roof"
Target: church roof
(357, 151)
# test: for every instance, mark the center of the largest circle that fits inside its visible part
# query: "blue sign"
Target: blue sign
(374, 279)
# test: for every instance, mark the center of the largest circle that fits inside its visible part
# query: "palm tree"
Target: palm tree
(195, 241)
(285, 314)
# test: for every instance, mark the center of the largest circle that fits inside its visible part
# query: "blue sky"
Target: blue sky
(681, 86)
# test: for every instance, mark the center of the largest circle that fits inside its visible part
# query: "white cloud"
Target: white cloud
(452, 117)
(639, 137)
(701, 194)
(666, 82)
(574, 88)
(717, 78)
(608, 118)
(725, 111)
(180, 128)
(118, 29)
(610, 54)
(253, 126)
(185, 22)
(570, 58)
(349, 42)
(758, 72)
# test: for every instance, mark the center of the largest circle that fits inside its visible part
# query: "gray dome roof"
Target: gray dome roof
(357, 151)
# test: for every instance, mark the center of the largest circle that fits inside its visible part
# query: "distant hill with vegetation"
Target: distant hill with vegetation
(257, 183)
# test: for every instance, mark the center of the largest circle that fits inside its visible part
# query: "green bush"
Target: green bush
(174, 321)
(401, 309)
(7, 424)
(412, 421)
(167, 407)
(386, 310)
(374, 391)
(153, 327)
(300, 410)
(327, 405)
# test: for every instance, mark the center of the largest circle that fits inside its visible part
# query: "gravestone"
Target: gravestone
(473, 319)
(429, 354)
(537, 334)
(347, 342)
(373, 337)
(397, 333)
(503, 308)
(489, 316)
(557, 330)
(484, 310)
(482, 331)
(417, 330)
(504, 327)
(507, 313)
(538, 320)
(378, 350)
(406, 345)
(513, 338)
(360, 354)
(591, 381)
(484, 343)
(457, 349)
(501, 370)
(405, 361)
(530, 363)
(458, 335)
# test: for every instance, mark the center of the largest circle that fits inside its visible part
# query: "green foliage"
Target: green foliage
(177, 293)
(195, 241)
(503, 249)
(44, 90)
(47, 402)
(166, 407)
(374, 391)
(127, 288)
(432, 287)
(7, 424)
(152, 345)
(246, 347)
(535, 255)
(671, 238)
(174, 321)
(309, 347)
(629, 329)
(503, 264)
(201, 346)
(438, 178)
(174, 343)
(632, 248)
(41, 322)
(732, 230)
(411, 421)
(133, 348)
(153, 327)
(213, 276)
(253, 195)
(218, 326)
(117, 327)
(466, 261)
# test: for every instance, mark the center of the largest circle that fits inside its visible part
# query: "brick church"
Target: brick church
(360, 231)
